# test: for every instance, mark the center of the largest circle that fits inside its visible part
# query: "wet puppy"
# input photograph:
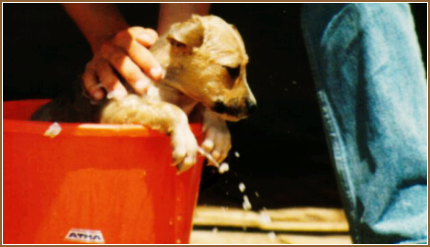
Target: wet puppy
(205, 61)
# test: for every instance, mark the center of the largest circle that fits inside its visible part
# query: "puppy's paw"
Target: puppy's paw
(217, 140)
(184, 149)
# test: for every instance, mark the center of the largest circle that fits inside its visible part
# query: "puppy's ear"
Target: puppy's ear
(186, 35)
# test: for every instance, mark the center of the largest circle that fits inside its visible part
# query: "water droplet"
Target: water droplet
(272, 236)
(53, 130)
(265, 217)
(242, 187)
(246, 204)
(223, 168)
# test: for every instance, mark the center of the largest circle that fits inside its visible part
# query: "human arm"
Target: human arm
(114, 44)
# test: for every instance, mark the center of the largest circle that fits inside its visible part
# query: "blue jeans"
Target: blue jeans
(372, 91)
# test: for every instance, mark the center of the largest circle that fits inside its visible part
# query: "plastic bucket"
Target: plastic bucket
(92, 183)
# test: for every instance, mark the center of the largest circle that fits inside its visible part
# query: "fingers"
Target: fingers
(110, 81)
(127, 53)
(90, 82)
(99, 70)
(144, 59)
(125, 66)
(145, 36)
(135, 41)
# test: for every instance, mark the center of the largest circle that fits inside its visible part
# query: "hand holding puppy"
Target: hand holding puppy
(127, 53)
(116, 46)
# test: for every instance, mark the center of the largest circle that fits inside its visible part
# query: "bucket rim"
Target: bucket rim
(13, 125)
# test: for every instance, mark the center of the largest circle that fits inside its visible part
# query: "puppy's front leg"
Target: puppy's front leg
(161, 116)
(218, 139)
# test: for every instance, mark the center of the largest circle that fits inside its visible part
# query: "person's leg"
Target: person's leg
(372, 89)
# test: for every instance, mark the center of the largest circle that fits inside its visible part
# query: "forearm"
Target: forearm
(117, 47)
(176, 12)
(97, 21)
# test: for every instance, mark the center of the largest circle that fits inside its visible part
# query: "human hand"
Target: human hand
(127, 53)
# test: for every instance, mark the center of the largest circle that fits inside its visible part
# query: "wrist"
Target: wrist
(98, 22)
(96, 40)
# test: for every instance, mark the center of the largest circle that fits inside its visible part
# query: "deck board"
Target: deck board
(228, 237)
(221, 225)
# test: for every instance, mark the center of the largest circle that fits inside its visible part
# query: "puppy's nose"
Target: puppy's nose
(251, 107)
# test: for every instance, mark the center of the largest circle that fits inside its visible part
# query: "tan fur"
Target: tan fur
(197, 56)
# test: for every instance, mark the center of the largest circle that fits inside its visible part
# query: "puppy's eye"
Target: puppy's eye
(177, 44)
(233, 71)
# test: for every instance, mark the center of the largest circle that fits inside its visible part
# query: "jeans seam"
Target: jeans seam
(332, 137)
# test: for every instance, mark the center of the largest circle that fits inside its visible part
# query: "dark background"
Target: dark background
(283, 154)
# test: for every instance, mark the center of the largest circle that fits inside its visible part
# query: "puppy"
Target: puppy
(204, 59)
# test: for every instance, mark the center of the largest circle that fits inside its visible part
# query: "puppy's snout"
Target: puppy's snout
(236, 108)
(251, 107)
(219, 107)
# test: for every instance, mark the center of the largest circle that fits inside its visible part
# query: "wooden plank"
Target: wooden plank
(292, 220)
(221, 237)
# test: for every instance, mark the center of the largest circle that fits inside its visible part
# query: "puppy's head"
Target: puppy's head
(207, 62)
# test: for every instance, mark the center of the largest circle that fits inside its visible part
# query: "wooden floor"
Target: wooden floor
(221, 225)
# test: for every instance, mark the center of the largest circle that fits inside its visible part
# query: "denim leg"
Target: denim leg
(372, 91)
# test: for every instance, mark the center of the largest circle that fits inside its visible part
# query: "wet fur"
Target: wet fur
(205, 63)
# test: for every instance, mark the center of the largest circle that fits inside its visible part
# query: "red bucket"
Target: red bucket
(92, 183)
